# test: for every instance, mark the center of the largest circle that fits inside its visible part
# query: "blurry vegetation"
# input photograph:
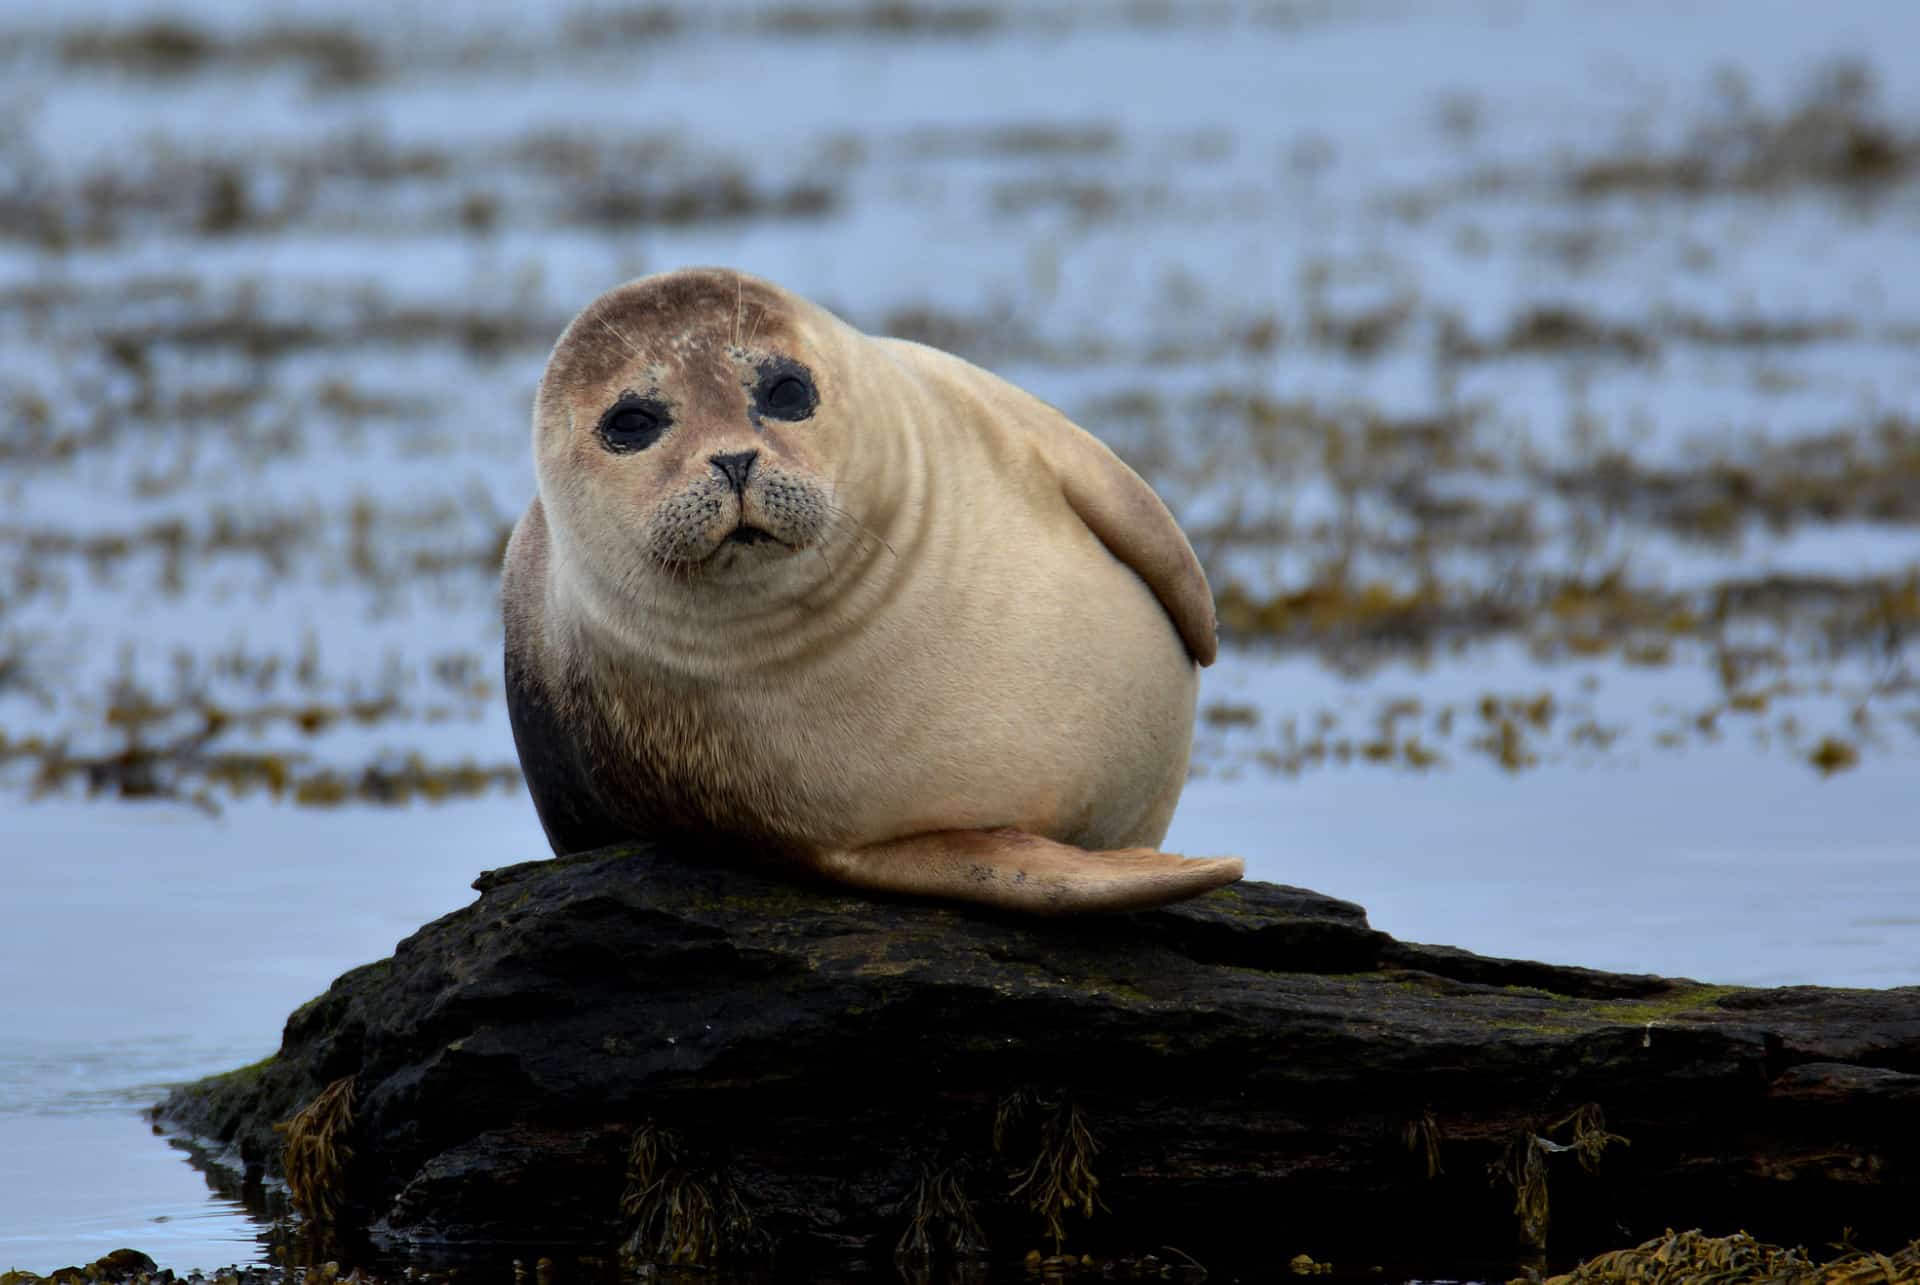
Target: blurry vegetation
(890, 17)
(337, 184)
(1024, 140)
(1552, 329)
(1377, 533)
(728, 194)
(173, 47)
(1832, 135)
(192, 747)
(1869, 474)
(337, 56)
(1833, 755)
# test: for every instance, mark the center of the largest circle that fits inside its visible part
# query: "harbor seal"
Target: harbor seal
(848, 602)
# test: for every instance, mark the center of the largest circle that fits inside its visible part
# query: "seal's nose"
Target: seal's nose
(735, 468)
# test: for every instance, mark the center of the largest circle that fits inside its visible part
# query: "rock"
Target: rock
(1251, 1072)
(120, 1265)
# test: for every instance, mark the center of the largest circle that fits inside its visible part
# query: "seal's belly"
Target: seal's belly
(1036, 684)
(972, 725)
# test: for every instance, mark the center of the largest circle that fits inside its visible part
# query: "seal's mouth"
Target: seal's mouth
(744, 534)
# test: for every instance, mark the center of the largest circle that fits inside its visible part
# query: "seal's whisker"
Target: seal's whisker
(825, 561)
(833, 489)
(836, 511)
(626, 342)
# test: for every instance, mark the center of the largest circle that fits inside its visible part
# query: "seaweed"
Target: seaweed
(941, 1220)
(316, 1155)
(1691, 1257)
(680, 1214)
(1059, 1180)
(1522, 1163)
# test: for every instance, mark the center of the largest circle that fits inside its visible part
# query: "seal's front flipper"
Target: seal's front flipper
(1019, 871)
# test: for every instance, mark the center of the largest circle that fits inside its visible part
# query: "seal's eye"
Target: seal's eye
(633, 423)
(788, 396)
(785, 391)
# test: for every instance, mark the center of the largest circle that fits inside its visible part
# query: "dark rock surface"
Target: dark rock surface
(1258, 1069)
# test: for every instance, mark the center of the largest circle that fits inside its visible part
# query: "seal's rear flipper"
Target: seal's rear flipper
(1019, 871)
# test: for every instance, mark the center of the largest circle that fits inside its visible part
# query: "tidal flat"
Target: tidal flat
(1539, 383)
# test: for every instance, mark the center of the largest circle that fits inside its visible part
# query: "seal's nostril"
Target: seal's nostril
(736, 468)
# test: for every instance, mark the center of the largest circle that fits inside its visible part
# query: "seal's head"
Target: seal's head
(689, 426)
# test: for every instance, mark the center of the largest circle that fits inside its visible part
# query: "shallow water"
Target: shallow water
(1540, 382)
(175, 951)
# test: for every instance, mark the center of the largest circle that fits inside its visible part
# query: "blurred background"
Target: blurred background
(1539, 381)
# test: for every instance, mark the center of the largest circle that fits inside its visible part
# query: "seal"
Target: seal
(848, 602)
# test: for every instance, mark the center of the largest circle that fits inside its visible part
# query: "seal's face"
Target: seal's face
(686, 428)
(713, 488)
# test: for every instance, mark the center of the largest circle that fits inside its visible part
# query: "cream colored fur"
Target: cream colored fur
(968, 670)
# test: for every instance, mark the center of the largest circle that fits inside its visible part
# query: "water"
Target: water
(1538, 382)
(174, 951)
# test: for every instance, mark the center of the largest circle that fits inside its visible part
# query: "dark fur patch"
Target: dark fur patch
(553, 759)
(633, 423)
(658, 320)
(769, 372)
(555, 769)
